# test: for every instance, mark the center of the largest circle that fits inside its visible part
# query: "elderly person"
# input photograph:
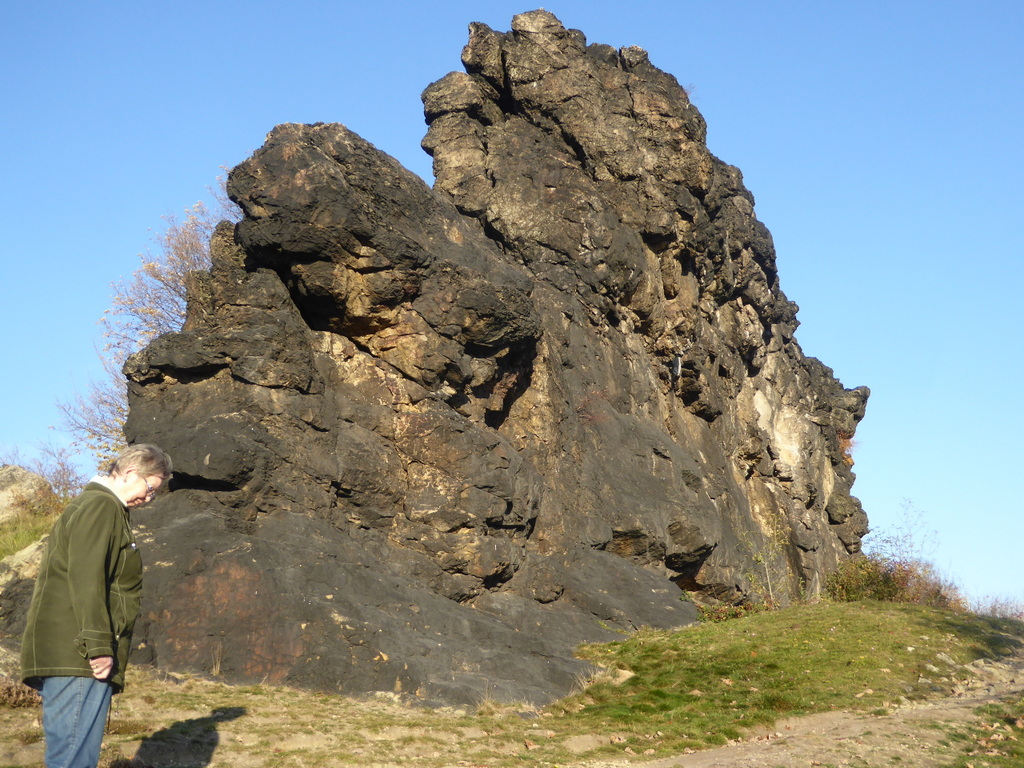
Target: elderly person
(84, 606)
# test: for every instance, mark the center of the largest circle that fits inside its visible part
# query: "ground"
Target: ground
(914, 734)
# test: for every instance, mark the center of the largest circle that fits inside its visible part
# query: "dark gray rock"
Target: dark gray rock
(429, 441)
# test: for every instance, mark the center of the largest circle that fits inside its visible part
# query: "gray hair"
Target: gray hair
(147, 460)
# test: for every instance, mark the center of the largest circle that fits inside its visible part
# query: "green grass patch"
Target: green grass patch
(996, 741)
(21, 531)
(32, 519)
(716, 682)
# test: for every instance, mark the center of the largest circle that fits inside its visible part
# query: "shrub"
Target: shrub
(999, 608)
(895, 568)
(724, 612)
(862, 578)
(846, 446)
(14, 694)
(893, 580)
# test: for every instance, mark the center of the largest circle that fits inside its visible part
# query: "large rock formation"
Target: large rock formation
(428, 441)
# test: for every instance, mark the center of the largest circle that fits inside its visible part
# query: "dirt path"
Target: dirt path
(842, 739)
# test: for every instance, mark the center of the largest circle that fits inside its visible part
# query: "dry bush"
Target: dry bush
(874, 577)
(846, 446)
(999, 608)
(895, 568)
(15, 694)
(726, 612)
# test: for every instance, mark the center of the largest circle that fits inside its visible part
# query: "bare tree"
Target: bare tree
(152, 302)
(53, 463)
(96, 417)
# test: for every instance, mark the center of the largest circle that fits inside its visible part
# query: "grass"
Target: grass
(662, 694)
(32, 519)
(996, 740)
(21, 531)
(717, 682)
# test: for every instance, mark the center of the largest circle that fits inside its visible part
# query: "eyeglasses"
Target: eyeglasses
(150, 490)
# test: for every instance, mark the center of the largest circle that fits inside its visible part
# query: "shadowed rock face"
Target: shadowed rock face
(427, 441)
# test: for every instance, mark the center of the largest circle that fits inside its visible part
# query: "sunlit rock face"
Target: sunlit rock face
(429, 441)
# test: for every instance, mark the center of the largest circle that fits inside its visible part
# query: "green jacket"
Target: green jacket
(88, 592)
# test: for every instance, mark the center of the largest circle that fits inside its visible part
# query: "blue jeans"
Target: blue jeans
(74, 715)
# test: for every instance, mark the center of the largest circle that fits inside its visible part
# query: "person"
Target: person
(84, 606)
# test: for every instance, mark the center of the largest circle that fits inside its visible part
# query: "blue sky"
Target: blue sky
(881, 141)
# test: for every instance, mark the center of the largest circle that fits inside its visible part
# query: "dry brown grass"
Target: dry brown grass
(14, 694)
(846, 446)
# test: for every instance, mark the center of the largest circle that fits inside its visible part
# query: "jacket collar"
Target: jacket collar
(97, 484)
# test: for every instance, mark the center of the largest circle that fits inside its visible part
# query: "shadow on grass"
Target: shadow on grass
(190, 743)
(991, 636)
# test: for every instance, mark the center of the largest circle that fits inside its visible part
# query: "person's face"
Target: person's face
(139, 488)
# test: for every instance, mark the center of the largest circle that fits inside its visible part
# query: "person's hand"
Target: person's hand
(102, 666)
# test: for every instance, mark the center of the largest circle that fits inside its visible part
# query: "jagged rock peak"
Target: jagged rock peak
(428, 441)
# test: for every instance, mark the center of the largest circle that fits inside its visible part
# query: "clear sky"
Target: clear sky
(881, 140)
